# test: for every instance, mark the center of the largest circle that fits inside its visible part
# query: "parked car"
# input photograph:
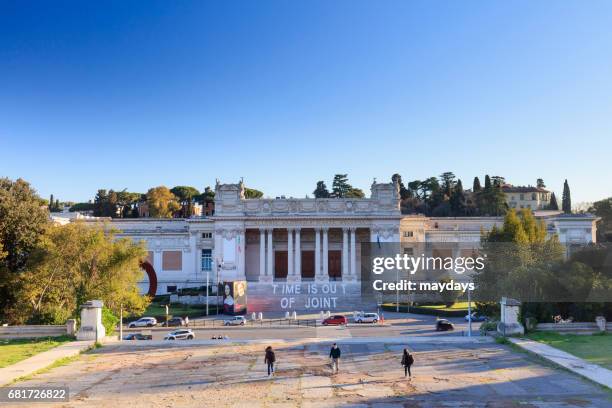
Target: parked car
(335, 320)
(180, 334)
(235, 321)
(143, 322)
(476, 317)
(367, 318)
(444, 325)
(176, 321)
(138, 336)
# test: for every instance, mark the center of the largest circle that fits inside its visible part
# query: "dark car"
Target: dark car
(176, 322)
(138, 336)
(444, 325)
(335, 320)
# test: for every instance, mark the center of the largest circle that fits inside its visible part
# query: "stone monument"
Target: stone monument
(91, 321)
(509, 324)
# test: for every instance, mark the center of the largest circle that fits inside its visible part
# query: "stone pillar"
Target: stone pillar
(325, 254)
(345, 253)
(270, 260)
(317, 252)
(91, 321)
(353, 254)
(298, 256)
(262, 253)
(290, 272)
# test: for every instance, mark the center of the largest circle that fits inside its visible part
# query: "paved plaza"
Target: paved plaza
(445, 375)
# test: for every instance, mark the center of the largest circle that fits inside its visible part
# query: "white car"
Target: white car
(367, 318)
(180, 334)
(143, 322)
(235, 321)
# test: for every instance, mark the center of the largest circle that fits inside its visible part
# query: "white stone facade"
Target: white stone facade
(293, 241)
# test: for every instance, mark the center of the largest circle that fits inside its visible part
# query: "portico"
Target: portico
(304, 253)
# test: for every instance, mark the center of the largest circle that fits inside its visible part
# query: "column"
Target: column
(317, 252)
(270, 268)
(345, 253)
(325, 254)
(262, 252)
(298, 255)
(353, 254)
(289, 253)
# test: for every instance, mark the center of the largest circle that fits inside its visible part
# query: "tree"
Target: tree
(23, 221)
(321, 191)
(540, 183)
(487, 185)
(81, 207)
(457, 200)
(447, 182)
(498, 180)
(162, 203)
(492, 200)
(185, 196)
(566, 200)
(340, 186)
(553, 205)
(252, 193)
(80, 263)
(476, 185)
(355, 193)
(603, 209)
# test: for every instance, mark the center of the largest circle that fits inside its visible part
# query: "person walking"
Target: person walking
(334, 354)
(269, 360)
(407, 361)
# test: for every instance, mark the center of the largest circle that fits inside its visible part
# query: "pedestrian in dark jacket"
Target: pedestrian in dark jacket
(407, 361)
(269, 360)
(334, 354)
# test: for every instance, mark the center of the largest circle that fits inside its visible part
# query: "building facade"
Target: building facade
(290, 246)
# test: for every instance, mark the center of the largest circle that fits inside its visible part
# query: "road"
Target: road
(404, 325)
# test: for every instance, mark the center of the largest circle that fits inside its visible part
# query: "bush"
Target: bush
(109, 321)
(488, 326)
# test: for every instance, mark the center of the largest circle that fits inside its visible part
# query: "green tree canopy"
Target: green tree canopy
(321, 191)
(252, 193)
(566, 199)
(162, 203)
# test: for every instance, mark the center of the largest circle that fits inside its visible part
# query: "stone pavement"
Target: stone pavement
(459, 374)
(42, 360)
(593, 372)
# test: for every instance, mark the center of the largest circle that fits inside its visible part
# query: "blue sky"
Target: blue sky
(134, 94)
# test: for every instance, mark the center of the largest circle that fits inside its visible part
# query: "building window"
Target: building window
(408, 234)
(171, 289)
(207, 259)
(522, 197)
(409, 251)
(172, 260)
(533, 196)
(206, 235)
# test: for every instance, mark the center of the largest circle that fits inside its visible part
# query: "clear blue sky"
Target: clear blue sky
(129, 94)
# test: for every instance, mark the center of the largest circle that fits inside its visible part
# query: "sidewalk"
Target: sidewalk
(593, 372)
(42, 360)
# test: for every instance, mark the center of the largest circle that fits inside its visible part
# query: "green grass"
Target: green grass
(596, 348)
(179, 310)
(13, 351)
(455, 306)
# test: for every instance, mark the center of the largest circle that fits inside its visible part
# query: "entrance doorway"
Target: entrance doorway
(335, 265)
(308, 267)
(280, 265)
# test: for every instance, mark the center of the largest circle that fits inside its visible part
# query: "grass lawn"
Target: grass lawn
(455, 306)
(595, 348)
(156, 309)
(12, 351)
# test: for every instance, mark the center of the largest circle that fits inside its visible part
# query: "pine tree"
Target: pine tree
(457, 200)
(566, 199)
(476, 186)
(321, 191)
(487, 182)
(540, 183)
(553, 205)
(340, 186)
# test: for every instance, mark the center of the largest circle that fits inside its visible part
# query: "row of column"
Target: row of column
(294, 254)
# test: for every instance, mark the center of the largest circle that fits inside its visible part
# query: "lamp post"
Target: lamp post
(469, 313)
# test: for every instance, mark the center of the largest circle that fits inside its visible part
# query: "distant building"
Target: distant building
(533, 198)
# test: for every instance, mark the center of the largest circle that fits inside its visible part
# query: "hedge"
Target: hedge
(425, 311)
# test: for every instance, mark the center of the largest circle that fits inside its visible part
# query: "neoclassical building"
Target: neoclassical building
(286, 245)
